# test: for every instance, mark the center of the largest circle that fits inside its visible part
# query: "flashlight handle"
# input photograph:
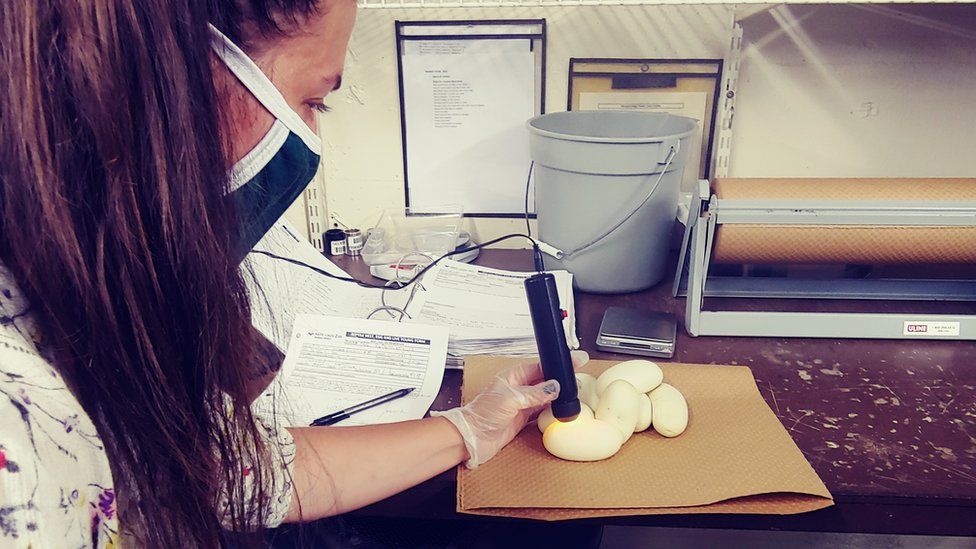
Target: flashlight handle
(547, 322)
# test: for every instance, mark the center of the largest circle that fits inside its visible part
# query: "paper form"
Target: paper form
(280, 291)
(333, 363)
(483, 303)
(465, 107)
(690, 104)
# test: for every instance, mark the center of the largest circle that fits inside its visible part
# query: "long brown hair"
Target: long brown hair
(114, 222)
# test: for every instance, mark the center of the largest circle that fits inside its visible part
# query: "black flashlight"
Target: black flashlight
(547, 321)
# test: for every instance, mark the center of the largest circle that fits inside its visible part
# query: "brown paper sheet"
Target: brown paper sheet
(839, 244)
(735, 457)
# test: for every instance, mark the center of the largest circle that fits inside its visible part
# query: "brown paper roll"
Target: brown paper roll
(859, 244)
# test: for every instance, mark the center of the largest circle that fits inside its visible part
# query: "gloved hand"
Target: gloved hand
(502, 409)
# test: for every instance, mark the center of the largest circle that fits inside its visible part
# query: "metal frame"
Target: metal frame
(730, 81)
(692, 279)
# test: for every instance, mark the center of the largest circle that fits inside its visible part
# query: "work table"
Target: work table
(889, 425)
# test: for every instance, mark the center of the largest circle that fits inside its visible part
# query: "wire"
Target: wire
(390, 310)
(671, 154)
(528, 182)
(395, 284)
(536, 252)
(420, 273)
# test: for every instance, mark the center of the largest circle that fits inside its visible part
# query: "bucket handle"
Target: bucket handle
(673, 146)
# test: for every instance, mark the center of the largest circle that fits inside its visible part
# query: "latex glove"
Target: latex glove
(502, 409)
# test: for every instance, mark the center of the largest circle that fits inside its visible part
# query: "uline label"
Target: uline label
(930, 328)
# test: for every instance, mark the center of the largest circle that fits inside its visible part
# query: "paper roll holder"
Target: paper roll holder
(693, 280)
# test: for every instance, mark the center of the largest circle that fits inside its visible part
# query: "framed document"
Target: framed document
(687, 87)
(467, 89)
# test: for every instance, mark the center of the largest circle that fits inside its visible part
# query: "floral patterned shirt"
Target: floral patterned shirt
(56, 487)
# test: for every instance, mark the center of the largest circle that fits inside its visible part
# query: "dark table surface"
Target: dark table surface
(889, 425)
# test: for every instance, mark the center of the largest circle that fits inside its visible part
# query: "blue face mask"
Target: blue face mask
(276, 171)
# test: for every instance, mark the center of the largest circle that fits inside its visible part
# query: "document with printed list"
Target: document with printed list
(334, 363)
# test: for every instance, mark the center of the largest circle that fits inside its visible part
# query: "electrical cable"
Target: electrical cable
(528, 182)
(536, 251)
(419, 274)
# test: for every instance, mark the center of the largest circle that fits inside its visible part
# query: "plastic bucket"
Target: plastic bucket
(592, 169)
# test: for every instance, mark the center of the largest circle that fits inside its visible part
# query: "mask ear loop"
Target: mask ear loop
(262, 88)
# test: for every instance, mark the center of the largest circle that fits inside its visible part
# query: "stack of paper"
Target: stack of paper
(281, 290)
(335, 358)
(486, 309)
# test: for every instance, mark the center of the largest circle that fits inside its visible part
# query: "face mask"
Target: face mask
(276, 171)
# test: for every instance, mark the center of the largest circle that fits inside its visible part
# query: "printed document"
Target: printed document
(465, 104)
(334, 363)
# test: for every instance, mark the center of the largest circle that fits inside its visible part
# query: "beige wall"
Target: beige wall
(363, 156)
(855, 91)
(881, 90)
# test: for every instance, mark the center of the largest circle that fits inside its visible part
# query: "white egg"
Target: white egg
(644, 375)
(644, 416)
(583, 439)
(586, 387)
(546, 417)
(670, 410)
(619, 406)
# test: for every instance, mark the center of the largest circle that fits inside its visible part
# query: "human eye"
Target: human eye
(319, 106)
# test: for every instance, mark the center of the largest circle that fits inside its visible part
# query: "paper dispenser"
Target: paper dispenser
(829, 221)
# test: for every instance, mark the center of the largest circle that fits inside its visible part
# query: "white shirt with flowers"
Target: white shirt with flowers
(56, 486)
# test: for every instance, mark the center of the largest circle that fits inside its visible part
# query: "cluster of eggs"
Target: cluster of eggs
(627, 398)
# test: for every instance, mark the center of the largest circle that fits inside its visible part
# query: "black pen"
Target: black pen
(336, 417)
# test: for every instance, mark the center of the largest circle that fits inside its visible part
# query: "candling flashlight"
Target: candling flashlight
(547, 321)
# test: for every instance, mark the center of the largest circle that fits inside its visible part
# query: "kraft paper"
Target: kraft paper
(735, 457)
(845, 244)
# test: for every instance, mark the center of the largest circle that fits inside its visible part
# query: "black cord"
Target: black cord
(540, 266)
(528, 182)
(422, 272)
(536, 252)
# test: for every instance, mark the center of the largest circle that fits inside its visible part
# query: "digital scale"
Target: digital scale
(636, 332)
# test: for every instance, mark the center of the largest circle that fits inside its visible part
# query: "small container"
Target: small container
(335, 242)
(354, 241)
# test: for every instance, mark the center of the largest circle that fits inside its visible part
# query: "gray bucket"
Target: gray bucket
(593, 168)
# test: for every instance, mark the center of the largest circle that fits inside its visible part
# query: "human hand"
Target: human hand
(502, 409)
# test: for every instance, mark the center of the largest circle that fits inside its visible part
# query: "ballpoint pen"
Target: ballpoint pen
(336, 417)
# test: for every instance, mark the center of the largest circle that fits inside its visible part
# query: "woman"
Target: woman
(142, 152)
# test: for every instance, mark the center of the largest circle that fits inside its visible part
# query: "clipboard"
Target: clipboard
(689, 87)
(494, 185)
